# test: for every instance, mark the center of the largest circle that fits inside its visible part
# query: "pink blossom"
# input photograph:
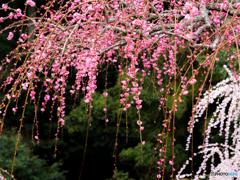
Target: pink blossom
(10, 16)
(179, 26)
(62, 121)
(105, 94)
(19, 12)
(1, 19)
(159, 176)
(188, 17)
(195, 11)
(31, 3)
(146, 34)
(216, 19)
(185, 92)
(137, 22)
(72, 91)
(47, 97)
(90, 8)
(189, 36)
(127, 38)
(139, 122)
(105, 109)
(20, 40)
(183, 13)
(32, 94)
(87, 101)
(223, 6)
(10, 36)
(143, 142)
(4, 6)
(24, 36)
(188, 6)
(193, 81)
(171, 162)
(139, 101)
(36, 137)
(8, 96)
(139, 106)
(25, 85)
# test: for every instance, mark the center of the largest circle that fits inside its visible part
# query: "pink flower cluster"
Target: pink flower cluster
(4, 6)
(10, 36)
(31, 3)
(189, 7)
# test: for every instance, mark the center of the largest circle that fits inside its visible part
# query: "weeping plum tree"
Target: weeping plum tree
(133, 35)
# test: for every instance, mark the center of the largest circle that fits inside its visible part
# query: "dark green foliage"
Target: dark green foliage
(120, 175)
(219, 72)
(132, 157)
(27, 166)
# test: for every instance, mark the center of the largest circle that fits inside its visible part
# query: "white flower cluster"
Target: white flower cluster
(227, 113)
